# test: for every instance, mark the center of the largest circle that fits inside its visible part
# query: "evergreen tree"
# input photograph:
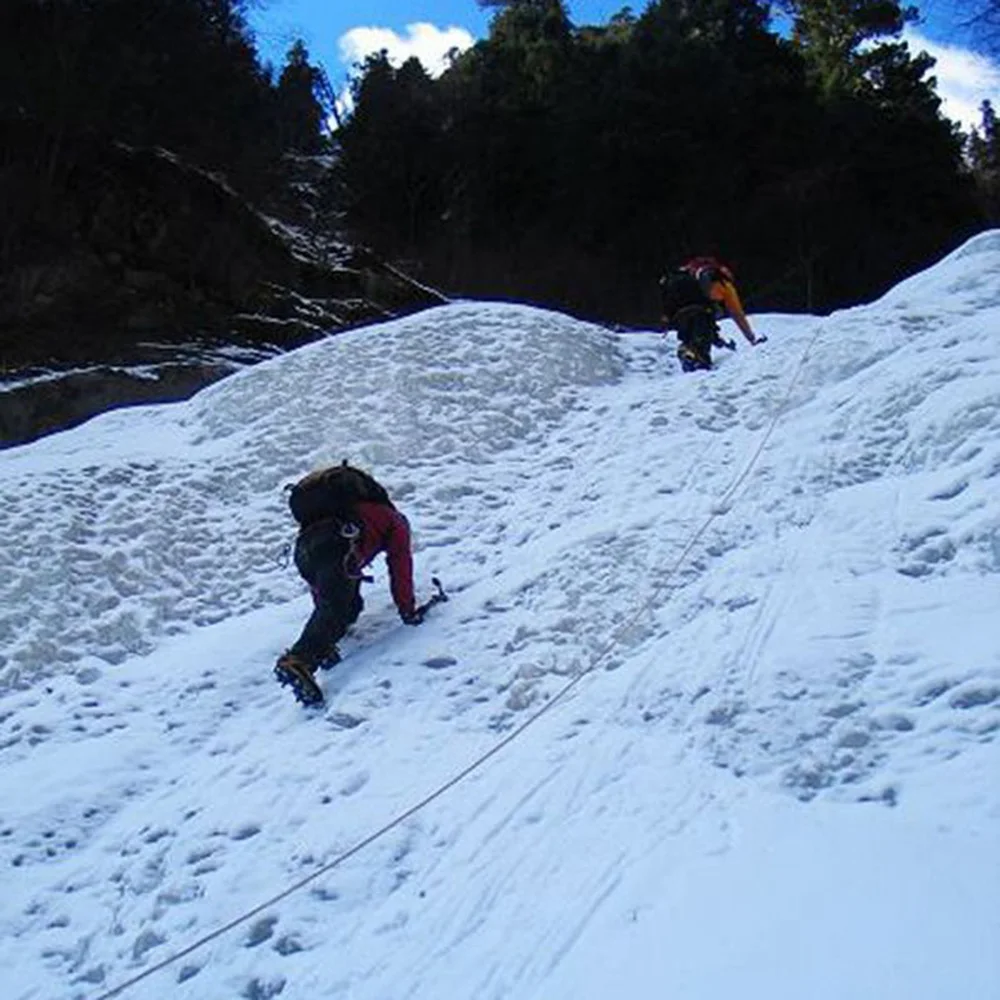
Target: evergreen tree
(566, 165)
(300, 113)
(831, 33)
(390, 154)
(984, 158)
(77, 77)
(177, 73)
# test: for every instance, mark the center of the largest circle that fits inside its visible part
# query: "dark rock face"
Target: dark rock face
(32, 409)
(149, 252)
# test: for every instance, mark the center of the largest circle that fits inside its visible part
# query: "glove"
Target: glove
(414, 617)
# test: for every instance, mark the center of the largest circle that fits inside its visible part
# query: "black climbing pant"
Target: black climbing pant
(322, 558)
(697, 331)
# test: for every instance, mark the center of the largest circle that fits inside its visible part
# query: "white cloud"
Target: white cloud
(965, 79)
(427, 42)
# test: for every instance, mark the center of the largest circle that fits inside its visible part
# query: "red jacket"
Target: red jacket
(384, 529)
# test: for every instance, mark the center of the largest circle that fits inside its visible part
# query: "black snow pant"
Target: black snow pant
(697, 331)
(320, 556)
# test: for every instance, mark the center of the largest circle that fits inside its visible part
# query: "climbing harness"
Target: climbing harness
(351, 533)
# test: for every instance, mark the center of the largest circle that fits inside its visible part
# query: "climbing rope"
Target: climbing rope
(718, 510)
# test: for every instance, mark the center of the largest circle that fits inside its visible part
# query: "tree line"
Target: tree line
(184, 75)
(555, 163)
(568, 164)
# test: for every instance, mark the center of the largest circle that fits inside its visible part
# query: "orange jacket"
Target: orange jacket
(724, 292)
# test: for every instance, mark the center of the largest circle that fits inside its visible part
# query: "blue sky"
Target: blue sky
(339, 35)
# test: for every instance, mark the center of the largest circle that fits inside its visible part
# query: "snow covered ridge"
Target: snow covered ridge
(707, 815)
(148, 521)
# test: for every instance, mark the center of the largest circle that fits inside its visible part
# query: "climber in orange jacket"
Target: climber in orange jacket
(695, 296)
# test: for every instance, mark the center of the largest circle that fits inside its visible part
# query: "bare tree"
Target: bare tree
(985, 23)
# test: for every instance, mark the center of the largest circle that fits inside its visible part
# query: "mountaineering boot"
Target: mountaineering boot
(294, 671)
(691, 359)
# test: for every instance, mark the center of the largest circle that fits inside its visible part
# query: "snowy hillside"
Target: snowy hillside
(722, 654)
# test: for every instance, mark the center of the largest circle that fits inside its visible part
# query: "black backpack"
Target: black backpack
(331, 494)
(679, 288)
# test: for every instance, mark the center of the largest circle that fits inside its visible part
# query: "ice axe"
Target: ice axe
(436, 598)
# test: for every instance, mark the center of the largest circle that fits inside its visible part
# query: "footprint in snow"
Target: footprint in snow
(344, 720)
(440, 662)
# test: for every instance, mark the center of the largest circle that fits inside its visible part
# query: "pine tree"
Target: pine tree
(831, 33)
(984, 159)
(301, 116)
(390, 161)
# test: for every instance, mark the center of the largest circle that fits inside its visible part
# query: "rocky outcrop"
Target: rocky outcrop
(34, 407)
(151, 251)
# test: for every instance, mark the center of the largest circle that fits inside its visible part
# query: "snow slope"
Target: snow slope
(739, 629)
